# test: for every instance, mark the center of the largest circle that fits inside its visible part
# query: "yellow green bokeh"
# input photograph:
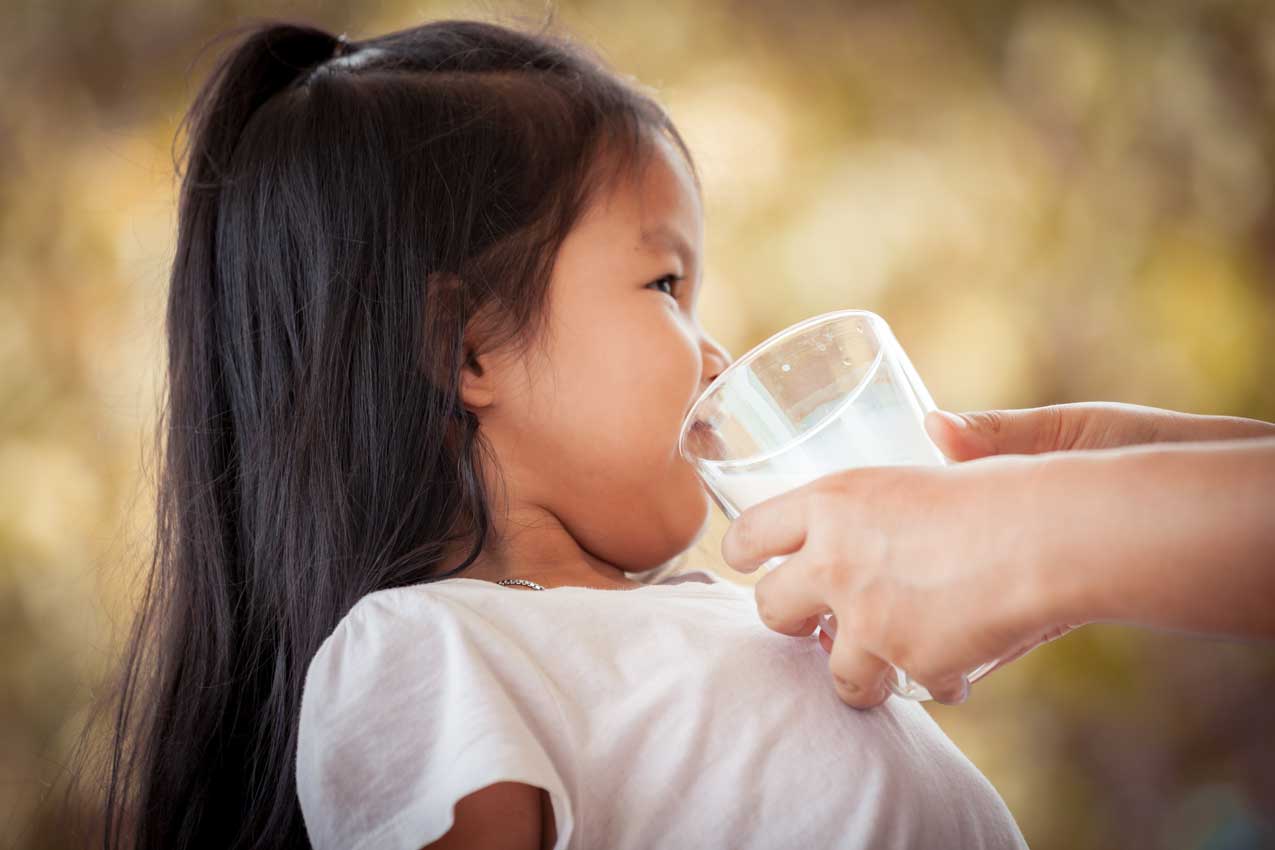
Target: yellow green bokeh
(1049, 202)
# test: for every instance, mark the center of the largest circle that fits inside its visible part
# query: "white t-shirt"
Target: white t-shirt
(661, 716)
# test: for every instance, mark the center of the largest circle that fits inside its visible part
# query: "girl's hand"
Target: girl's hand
(932, 568)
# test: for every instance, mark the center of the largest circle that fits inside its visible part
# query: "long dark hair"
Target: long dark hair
(348, 209)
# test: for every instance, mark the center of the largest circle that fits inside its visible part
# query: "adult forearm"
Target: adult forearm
(1180, 536)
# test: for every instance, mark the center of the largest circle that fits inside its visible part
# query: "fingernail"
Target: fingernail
(954, 419)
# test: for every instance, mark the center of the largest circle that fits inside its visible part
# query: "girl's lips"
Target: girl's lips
(703, 441)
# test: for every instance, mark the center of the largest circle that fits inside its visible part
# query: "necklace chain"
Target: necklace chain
(520, 581)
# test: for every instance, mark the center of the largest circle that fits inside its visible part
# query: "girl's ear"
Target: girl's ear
(477, 380)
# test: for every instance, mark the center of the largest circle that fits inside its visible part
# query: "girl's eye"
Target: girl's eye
(672, 280)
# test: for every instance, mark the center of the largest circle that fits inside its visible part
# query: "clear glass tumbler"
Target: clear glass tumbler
(830, 393)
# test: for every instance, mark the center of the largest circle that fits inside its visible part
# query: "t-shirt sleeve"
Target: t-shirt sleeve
(407, 707)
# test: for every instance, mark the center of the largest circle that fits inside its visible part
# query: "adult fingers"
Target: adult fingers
(857, 675)
(950, 690)
(776, 526)
(787, 601)
(968, 436)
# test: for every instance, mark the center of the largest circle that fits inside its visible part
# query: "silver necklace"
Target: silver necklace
(520, 581)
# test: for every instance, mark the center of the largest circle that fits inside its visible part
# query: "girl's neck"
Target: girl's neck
(532, 544)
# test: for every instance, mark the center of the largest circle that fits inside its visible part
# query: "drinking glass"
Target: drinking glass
(830, 393)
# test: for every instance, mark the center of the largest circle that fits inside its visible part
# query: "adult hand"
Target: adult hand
(930, 568)
(935, 568)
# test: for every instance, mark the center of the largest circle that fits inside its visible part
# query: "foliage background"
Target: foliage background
(1049, 202)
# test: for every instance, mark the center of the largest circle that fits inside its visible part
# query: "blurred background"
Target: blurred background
(1049, 202)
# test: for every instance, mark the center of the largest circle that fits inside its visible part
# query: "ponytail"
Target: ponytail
(271, 58)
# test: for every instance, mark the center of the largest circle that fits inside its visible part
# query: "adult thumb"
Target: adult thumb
(968, 436)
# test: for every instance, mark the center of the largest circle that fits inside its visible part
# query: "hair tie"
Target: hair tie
(346, 56)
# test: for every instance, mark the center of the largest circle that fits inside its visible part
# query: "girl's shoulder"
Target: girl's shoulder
(466, 620)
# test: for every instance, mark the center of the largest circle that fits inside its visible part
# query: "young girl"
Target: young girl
(432, 334)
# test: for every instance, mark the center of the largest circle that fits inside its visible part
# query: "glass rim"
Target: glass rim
(751, 355)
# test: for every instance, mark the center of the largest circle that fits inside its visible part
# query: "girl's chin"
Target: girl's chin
(705, 514)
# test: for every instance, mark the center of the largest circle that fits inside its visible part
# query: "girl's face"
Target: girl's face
(585, 426)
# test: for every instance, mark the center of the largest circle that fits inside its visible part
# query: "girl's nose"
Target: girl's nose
(716, 359)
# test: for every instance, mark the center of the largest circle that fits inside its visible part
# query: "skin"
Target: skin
(584, 427)
(1060, 516)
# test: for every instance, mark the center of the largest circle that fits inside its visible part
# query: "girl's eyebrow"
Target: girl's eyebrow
(665, 235)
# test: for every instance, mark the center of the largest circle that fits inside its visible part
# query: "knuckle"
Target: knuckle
(875, 544)
(827, 572)
(1054, 433)
(905, 654)
(1146, 428)
(845, 686)
(840, 671)
(865, 622)
(834, 495)
(877, 614)
(767, 614)
(770, 609)
(832, 482)
(992, 421)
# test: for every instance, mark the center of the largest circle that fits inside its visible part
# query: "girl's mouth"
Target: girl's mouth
(703, 442)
